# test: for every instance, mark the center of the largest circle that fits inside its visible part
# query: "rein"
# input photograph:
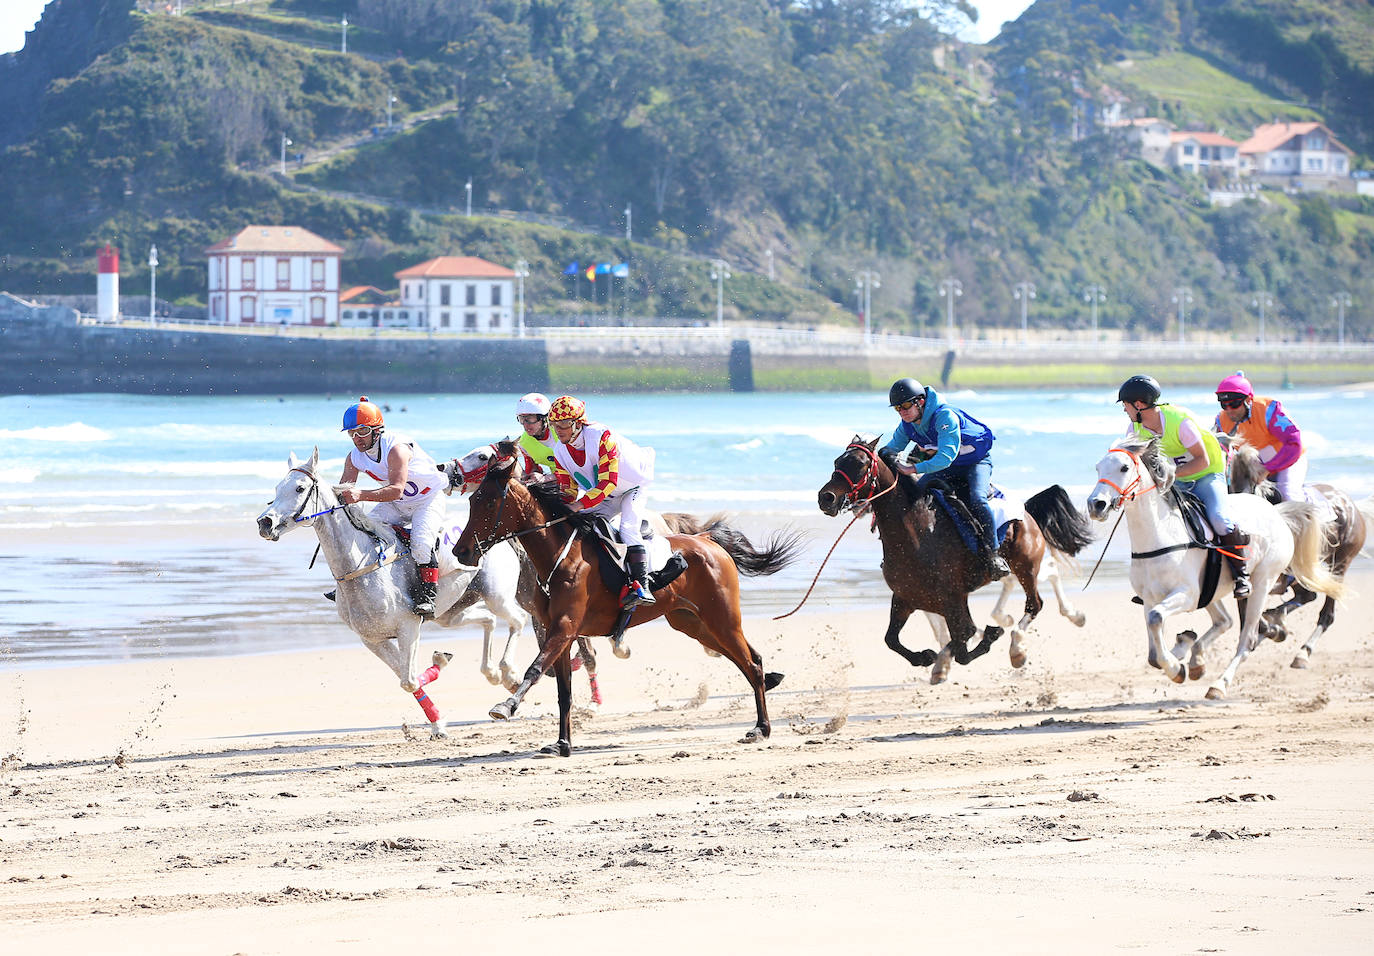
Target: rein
(381, 561)
(852, 499)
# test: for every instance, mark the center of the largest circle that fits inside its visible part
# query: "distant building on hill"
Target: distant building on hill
(455, 293)
(1149, 135)
(1203, 152)
(1307, 155)
(277, 275)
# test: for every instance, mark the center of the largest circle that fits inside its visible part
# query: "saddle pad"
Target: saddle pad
(656, 547)
(1004, 512)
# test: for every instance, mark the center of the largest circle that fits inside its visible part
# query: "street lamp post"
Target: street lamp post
(1182, 297)
(720, 272)
(629, 234)
(522, 271)
(1340, 302)
(284, 143)
(343, 34)
(1023, 291)
(468, 189)
(152, 286)
(1093, 294)
(389, 100)
(866, 281)
(950, 289)
(769, 253)
(1262, 301)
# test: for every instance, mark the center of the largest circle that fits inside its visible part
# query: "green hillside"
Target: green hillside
(836, 136)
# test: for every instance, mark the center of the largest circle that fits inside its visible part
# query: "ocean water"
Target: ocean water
(127, 522)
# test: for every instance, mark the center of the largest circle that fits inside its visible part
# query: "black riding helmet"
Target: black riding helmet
(1139, 388)
(904, 390)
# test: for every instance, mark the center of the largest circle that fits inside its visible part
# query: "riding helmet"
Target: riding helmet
(565, 408)
(1139, 388)
(904, 390)
(1236, 384)
(361, 413)
(532, 404)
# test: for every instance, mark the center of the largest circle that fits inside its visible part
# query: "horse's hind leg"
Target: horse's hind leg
(588, 657)
(1050, 571)
(1325, 619)
(939, 672)
(729, 641)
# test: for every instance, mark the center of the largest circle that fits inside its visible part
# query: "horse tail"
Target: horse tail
(1065, 527)
(1366, 508)
(679, 522)
(780, 551)
(1309, 540)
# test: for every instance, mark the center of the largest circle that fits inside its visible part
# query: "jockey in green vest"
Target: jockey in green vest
(1200, 463)
(532, 412)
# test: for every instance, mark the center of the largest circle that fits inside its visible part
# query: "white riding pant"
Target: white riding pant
(627, 509)
(424, 514)
(1289, 482)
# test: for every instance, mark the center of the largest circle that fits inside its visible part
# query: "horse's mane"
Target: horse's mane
(550, 500)
(365, 523)
(1246, 465)
(1159, 465)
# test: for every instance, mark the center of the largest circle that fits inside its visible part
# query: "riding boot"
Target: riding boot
(997, 565)
(426, 590)
(637, 591)
(1235, 543)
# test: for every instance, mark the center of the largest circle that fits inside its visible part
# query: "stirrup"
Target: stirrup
(635, 594)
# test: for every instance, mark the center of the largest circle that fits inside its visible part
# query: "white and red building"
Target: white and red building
(1300, 153)
(1203, 152)
(274, 275)
(455, 294)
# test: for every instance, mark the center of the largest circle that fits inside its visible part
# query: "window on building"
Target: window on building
(317, 273)
(317, 308)
(444, 320)
(283, 273)
(249, 267)
(248, 308)
(445, 294)
(404, 315)
(1338, 164)
(1315, 164)
(495, 293)
(1187, 149)
(347, 314)
(471, 295)
(470, 320)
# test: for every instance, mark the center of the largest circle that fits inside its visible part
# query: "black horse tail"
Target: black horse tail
(1065, 527)
(780, 551)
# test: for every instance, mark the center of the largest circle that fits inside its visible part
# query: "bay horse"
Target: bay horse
(925, 562)
(1167, 566)
(702, 602)
(1344, 527)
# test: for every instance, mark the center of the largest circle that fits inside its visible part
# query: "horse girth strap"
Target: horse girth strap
(368, 569)
(1169, 550)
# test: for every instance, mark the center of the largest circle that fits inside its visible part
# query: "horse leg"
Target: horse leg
(1325, 618)
(1155, 617)
(438, 662)
(584, 651)
(1196, 647)
(939, 673)
(729, 641)
(961, 628)
(898, 614)
(554, 648)
(1051, 574)
(1250, 611)
(562, 672)
(1028, 575)
(391, 655)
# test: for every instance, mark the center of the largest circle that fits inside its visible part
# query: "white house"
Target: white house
(1296, 151)
(1149, 135)
(456, 293)
(277, 275)
(1203, 152)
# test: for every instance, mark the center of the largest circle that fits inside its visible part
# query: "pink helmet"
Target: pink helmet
(1236, 384)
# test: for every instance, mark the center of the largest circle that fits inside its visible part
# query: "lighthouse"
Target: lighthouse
(107, 289)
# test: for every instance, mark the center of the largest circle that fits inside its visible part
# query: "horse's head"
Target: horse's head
(1247, 473)
(294, 493)
(471, 468)
(499, 501)
(859, 474)
(1131, 468)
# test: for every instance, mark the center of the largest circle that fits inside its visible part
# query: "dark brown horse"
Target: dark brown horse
(925, 561)
(1345, 529)
(702, 602)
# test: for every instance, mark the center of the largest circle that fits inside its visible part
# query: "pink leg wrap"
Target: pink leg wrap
(427, 706)
(430, 674)
(596, 691)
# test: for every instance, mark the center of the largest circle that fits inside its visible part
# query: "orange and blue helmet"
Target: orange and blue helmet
(565, 408)
(361, 413)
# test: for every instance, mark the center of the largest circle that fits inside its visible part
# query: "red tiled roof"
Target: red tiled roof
(456, 267)
(275, 239)
(1204, 138)
(1271, 136)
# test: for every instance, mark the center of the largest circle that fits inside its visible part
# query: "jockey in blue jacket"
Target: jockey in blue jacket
(951, 444)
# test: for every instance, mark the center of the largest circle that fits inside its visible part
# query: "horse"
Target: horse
(1345, 528)
(702, 601)
(928, 567)
(1167, 566)
(374, 586)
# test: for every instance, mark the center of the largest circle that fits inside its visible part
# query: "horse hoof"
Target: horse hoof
(562, 748)
(1179, 676)
(438, 733)
(1195, 671)
(494, 678)
(939, 676)
(1079, 619)
(1299, 663)
(502, 711)
(409, 686)
(754, 735)
(1018, 658)
(1215, 693)
(441, 659)
(771, 679)
(620, 651)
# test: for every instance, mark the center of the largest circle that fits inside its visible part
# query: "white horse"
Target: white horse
(1166, 569)
(374, 587)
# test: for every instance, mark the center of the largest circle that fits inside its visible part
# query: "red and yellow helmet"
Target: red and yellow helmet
(565, 408)
(361, 413)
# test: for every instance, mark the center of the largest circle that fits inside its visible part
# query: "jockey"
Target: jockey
(1263, 424)
(952, 443)
(410, 492)
(610, 473)
(1201, 464)
(532, 412)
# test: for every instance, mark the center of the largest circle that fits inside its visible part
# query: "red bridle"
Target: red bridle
(869, 478)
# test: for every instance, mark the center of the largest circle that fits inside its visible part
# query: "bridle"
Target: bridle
(300, 515)
(484, 545)
(1136, 486)
(868, 480)
(382, 559)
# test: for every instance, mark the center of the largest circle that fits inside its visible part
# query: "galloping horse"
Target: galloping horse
(1344, 530)
(1167, 567)
(373, 586)
(702, 602)
(927, 565)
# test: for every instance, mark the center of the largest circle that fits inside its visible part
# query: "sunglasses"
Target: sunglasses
(905, 405)
(529, 419)
(362, 431)
(1231, 402)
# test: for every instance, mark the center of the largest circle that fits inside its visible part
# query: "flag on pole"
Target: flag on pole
(571, 270)
(603, 268)
(591, 273)
(620, 271)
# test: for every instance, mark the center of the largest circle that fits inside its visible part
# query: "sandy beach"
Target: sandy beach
(289, 802)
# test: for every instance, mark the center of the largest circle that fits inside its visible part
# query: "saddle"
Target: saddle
(665, 565)
(951, 495)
